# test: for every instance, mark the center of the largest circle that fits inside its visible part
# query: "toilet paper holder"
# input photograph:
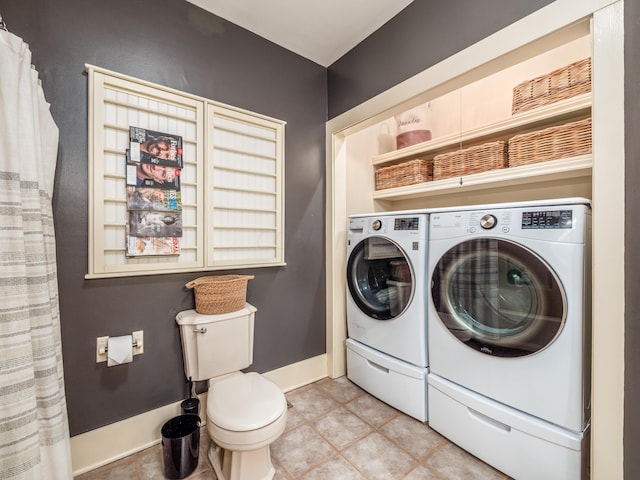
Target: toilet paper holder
(134, 344)
(102, 346)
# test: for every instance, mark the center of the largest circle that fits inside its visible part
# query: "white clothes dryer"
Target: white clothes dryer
(386, 308)
(509, 333)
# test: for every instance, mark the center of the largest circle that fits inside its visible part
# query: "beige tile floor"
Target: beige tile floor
(335, 431)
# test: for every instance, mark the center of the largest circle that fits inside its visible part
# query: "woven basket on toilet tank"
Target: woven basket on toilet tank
(220, 293)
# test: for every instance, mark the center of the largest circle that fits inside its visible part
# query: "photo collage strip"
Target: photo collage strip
(154, 204)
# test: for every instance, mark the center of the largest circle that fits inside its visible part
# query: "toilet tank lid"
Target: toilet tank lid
(191, 317)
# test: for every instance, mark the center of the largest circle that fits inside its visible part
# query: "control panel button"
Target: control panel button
(488, 221)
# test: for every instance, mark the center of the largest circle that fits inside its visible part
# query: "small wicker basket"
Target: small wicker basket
(565, 82)
(220, 293)
(480, 158)
(400, 270)
(553, 143)
(406, 173)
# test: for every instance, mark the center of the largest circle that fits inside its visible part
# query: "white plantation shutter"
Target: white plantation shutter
(245, 194)
(231, 182)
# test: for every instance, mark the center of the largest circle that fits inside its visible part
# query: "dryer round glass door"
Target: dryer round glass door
(498, 297)
(380, 278)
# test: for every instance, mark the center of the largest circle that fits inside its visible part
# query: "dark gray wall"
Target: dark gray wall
(632, 241)
(173, 43)
(424, 33)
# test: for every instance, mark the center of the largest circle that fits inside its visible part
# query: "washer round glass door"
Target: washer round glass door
(498, 297)
(380, 278)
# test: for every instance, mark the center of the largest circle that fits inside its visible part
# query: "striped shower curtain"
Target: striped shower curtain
(34, 431)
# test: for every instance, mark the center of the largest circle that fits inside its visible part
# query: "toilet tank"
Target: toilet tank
(214, 345)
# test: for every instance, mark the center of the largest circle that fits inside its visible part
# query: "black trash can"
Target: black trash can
(180, 445)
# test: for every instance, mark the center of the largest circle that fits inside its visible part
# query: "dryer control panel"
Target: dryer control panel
(387, 225)
(407, 223)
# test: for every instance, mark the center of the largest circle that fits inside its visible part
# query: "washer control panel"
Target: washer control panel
(489, 221)
(550, 219)
(565, 223)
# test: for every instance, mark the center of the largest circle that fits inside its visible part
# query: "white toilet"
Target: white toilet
(245, 411)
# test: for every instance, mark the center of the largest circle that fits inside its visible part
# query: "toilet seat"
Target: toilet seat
(242, 403)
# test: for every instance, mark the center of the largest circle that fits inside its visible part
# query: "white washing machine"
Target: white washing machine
(509, 334)
(386, 307)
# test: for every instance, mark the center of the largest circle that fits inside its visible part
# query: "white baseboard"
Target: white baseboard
(107, 444)
(299, 374)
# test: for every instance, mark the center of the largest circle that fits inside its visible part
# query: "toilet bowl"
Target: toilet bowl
(245, 412)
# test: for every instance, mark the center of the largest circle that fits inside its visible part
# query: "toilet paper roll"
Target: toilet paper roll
(119, 350)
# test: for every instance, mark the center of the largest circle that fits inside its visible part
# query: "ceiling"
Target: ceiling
(320, 30)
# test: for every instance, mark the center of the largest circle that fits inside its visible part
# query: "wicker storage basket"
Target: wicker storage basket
(400, 271)
(406, 173)
(553, 143)
(220, 293)
(480, 158)
(565, 82)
